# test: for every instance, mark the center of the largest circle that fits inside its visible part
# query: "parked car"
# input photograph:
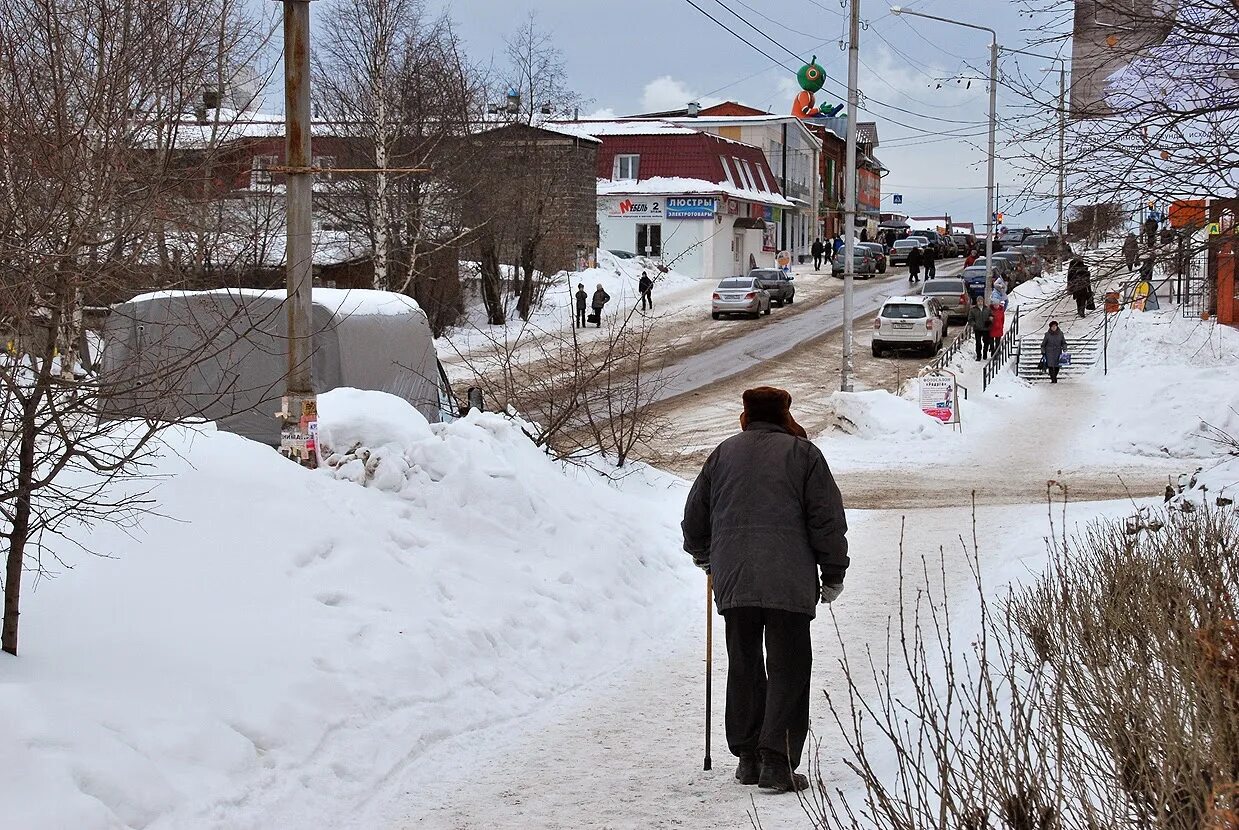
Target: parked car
(1019, 267)
(947, 248)
(879, 255)
(951, 293)
(1001, 266)
(1049, 245)
(909, 323)
(924, 240)
(898, 253)
(974, 278)
(964, 241)
(740, 295)
(777, 283)
(1034, 260)
(863, 263)
(622, 254)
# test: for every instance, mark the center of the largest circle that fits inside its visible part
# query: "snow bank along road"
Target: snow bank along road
(770, 341)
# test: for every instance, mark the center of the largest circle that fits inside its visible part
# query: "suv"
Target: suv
(777, 282)
(740, 295)
(964, 242)
(951, 293)
(909, 323)
(879, 254)
(1036, 264)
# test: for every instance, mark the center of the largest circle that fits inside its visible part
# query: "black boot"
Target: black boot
(776, 776)
(748, 770)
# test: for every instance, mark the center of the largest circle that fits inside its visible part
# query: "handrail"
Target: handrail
(950, 351)
(1003, 351)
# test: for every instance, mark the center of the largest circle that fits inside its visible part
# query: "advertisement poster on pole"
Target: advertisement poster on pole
(940, 396)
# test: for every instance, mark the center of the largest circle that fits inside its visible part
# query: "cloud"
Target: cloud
(666, 93)
(604, 114)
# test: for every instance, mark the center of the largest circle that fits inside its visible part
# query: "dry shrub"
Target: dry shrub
(1103, 695)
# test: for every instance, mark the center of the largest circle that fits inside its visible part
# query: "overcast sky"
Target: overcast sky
(640, 55)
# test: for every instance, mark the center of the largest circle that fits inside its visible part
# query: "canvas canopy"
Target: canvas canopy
(222, 355)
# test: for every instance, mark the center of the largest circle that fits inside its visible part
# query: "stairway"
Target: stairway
(1085, 353)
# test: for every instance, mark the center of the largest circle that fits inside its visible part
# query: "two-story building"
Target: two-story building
(703, 204)
(869, 172)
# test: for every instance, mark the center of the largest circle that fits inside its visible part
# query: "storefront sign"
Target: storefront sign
(636, 207)
(733, 207)
(770, 238)
(938, 397)
(691, 207)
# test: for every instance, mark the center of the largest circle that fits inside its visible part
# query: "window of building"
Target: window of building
(325, 165)
(748, 175)
(765, 185)
(626, 167)
(731, 180)
(830, 178)
(776, 158)
(260, 170)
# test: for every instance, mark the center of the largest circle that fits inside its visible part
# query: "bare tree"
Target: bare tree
(537, 72)
(86, 89)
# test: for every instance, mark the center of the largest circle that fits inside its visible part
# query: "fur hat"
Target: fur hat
(772, 406)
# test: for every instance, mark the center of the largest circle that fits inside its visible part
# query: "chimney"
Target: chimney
(694, 109)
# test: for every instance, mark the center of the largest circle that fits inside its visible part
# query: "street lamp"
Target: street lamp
(993, 130)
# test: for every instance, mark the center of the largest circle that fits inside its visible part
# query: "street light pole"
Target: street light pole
(1062, 150)
(991, 195)
(849, 203)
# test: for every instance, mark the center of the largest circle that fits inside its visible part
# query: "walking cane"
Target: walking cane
(709, 658)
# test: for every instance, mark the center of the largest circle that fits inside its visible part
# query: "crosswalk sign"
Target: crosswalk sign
(899, 198)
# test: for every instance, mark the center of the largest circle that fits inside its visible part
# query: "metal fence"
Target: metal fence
(1004, 350)
(947, 354)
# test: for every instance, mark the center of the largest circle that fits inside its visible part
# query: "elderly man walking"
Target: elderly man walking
(766, 519)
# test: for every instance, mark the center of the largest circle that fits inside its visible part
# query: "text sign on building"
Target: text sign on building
(691, 207)
(636, 207)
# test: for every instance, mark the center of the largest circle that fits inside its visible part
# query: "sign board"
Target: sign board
(733, 207)
(636, 207)
(898, 198)
(770, 238)
(1215, 229)
(691, 207)
(939, 397)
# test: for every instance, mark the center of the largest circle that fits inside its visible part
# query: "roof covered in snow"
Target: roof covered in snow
(673, 185)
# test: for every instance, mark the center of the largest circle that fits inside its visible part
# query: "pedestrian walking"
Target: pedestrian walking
(998, 297)
(817, 250)
(1150, 232)
(582, 300)
(928, 260)
(646, 288)
(838, 246)
(1053, 345)
(997, 326)
(979, 318)
(971, 259)
(1079, 284)
(765, 519)
(914, 264)
(599, 301)
(1131, 251)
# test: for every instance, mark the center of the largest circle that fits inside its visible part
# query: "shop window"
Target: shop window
(260, 170)
(626, 167)
(650, 240)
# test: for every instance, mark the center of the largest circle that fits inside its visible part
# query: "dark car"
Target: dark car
(777, 282)
(1019, 267)
(974, 275)
(863, 263)
(964, 241)
(948, 248)
(1036, 263)
(1049, 245)
(879, 254)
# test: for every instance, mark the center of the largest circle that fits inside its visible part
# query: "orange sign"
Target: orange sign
(1186, 213)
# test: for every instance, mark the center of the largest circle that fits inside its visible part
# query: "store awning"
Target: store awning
(749, 223)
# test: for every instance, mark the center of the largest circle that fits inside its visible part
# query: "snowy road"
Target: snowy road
(781, 336)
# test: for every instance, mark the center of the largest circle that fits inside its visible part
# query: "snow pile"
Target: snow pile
(1167, 392)
(285, 647)
(878, 414)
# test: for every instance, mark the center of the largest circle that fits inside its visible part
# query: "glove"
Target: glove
(702, 562)
(830, 593)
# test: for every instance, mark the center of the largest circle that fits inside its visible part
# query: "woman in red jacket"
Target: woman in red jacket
(998, 320)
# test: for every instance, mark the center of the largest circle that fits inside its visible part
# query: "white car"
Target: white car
(740, 295)
(909, 323)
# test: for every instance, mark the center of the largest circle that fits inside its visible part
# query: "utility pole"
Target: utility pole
(849, 204)
(1062, 149)
(992, 190)
(299, 414)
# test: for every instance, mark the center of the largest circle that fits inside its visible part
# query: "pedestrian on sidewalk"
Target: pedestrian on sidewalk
(582, 300)
(1150, 232)
(646, 288)
(997, 327)
(765, 518)
(838, 244)
(1131, 251)
(928, 260)
(1079, 284)
(971, 259)
(914, 264)
(1052, 347)
(817, 250)
(599, 301)
(998, 297)
(979, 318)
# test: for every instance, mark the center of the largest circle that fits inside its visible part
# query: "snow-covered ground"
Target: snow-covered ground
(444, 628)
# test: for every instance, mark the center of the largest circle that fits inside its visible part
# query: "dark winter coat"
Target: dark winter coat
(1052, 347)
(1131, 249)
(1146, 269)
(914, 259)
(601, 298)
(581, 299)
(1078, 277)
(645, 285)
(979, 317)
(929, 256)
(765, 512)
(818, 248)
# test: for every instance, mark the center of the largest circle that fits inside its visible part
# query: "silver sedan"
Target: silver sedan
(740, 295)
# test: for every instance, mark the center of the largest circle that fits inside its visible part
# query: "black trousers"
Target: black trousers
(1081, 302)
(647, 300)
(1053, 374)
(598, 314)
(768, 695)
(982, 343)
(817, 262)
(931, 270)
(579, 320)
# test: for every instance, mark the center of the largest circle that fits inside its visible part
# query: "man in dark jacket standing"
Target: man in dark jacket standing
(1079, 284)
(1131, 251)
(599, 300)
(817, 250)
(928, 259)
(645, 286)
(582, 300)
(914, 264)
(765, 517)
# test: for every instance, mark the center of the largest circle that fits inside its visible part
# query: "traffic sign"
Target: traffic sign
(899, 198)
